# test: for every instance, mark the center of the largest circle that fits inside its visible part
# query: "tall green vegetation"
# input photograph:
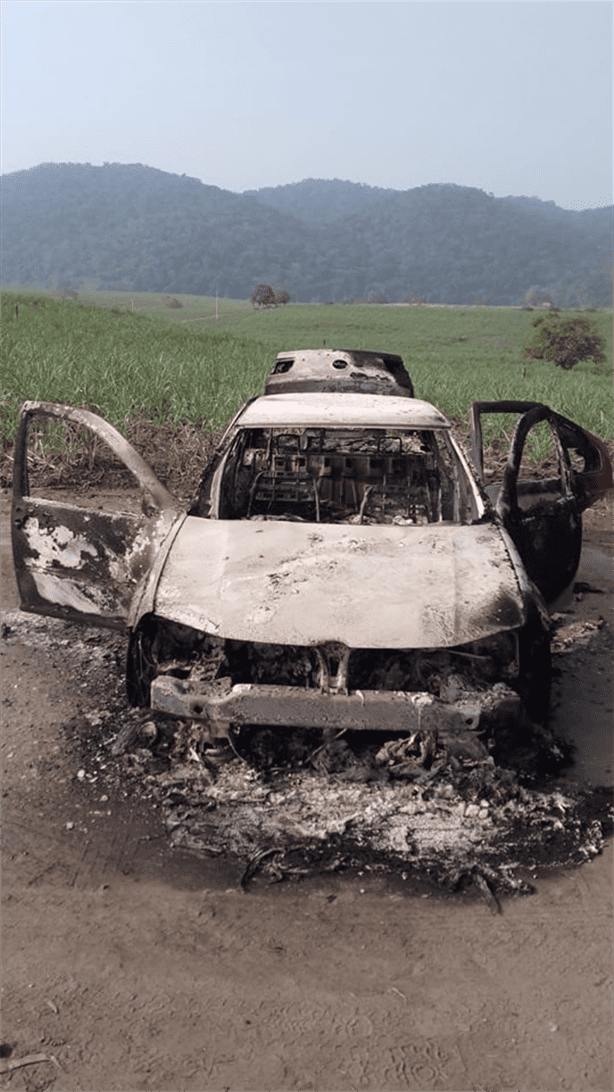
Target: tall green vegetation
(123, 364)
(170, 367)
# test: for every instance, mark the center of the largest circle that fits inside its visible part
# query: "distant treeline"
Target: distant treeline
(140, 229)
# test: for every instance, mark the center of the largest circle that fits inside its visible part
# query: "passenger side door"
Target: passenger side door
(542, 510)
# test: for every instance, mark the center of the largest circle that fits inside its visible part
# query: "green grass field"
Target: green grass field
(130, 355)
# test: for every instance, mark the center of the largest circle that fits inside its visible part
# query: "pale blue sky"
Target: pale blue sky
(514, 98)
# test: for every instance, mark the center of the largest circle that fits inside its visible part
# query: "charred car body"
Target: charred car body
(342, 566)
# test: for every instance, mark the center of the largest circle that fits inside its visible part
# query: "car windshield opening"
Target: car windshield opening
(353, 475)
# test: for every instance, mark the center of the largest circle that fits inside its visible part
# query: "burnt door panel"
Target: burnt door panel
(73, 561)
(548, 538)
(542, 510)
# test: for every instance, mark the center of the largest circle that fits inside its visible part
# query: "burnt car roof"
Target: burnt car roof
(338, 411)
(336, 370)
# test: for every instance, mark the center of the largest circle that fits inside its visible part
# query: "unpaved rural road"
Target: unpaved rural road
(127, 965)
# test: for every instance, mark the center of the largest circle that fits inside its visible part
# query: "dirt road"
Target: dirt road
(128, 965)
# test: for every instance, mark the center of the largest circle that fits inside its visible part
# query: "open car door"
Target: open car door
(74, 562)
(542, 513)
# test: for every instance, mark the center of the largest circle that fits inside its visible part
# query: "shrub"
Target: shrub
(565, 341)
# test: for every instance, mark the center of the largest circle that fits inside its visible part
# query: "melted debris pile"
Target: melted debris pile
(407, 805)
(568, 636)
(451, 823)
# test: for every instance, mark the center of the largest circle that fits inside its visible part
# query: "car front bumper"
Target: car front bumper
(222, 704)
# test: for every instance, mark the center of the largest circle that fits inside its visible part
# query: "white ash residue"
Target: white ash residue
(479, 820)
(447, 823)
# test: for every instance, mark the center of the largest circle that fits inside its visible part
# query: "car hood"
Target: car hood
(365, 586)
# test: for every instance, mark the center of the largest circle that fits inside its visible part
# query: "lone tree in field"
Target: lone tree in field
(281, 296)
(263, 296)
(565, 341)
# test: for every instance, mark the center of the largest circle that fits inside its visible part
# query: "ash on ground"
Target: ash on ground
(446, 821)
(404, 805)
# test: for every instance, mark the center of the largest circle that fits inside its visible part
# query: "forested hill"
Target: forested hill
(320, 200)
(137, 228)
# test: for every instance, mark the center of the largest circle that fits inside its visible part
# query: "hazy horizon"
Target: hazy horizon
(513, 98)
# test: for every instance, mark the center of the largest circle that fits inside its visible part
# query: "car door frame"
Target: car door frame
(78, 563)
(549, 540)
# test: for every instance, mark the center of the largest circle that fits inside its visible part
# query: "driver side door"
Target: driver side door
(74, 561)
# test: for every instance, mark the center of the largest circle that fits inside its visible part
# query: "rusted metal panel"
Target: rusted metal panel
(295, 707)
(376, 586)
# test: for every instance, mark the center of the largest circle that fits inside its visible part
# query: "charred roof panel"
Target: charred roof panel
(339, 370)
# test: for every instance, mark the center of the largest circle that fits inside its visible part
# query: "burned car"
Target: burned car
(343, 565)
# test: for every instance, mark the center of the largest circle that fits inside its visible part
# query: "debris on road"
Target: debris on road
(19, 1063)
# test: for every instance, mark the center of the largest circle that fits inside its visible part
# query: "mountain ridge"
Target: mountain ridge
(139, 228)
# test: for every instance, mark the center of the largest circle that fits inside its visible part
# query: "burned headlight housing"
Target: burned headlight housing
(493, 658)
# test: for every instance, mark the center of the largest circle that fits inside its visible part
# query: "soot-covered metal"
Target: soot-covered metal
(342, 568)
